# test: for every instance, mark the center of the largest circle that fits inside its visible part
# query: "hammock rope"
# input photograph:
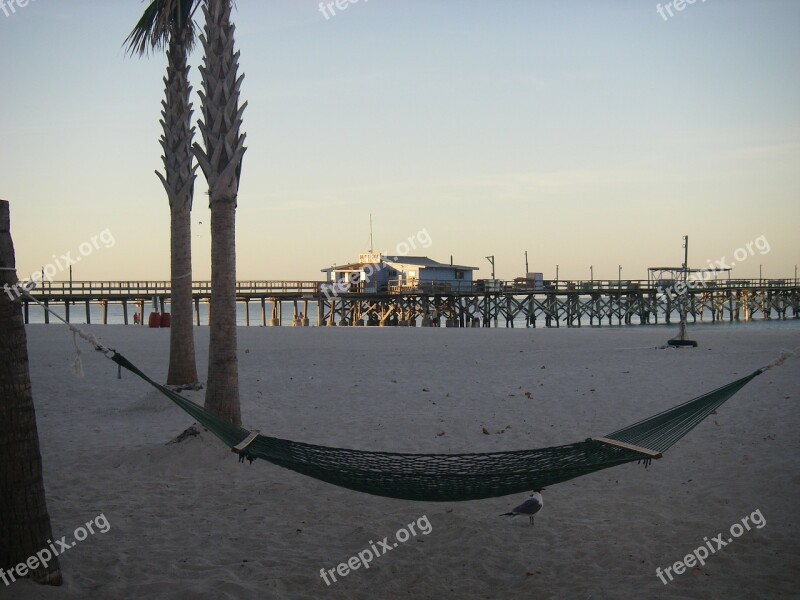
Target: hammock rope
(456, 477)
(452, 477)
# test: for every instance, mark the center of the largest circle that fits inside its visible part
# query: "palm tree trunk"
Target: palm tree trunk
(24, 520)
(221, 162)
(176, 142)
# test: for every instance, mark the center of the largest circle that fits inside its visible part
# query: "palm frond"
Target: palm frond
(160, 21)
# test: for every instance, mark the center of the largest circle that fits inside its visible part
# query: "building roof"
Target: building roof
(681, 269)
(417, 261)
(424, 262)
(356, 266)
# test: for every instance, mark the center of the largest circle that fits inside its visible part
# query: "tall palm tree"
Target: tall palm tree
(221, 161)
(169, 23)
(24, 521)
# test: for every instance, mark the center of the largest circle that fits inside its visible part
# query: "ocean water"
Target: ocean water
(115, 316)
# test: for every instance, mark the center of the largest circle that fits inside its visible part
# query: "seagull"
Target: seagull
(530, 507)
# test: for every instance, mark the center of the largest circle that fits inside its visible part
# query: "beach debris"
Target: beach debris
(191, 432)
(247, 351)
(485, 431)
(529, 396)
(543, 367)
(393, 380)
(188, 387)
(425, 390)
(440, 434)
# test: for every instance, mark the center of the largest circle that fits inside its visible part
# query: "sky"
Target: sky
(587, 133)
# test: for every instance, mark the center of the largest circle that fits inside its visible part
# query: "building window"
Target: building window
(459, 274)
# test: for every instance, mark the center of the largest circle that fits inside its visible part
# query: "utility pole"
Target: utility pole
(681, 340)
(491, 261)
(591, 274)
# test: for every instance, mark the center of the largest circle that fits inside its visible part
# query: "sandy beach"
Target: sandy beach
(187, 520)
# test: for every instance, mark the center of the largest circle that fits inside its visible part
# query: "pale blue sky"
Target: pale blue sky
(588, 133)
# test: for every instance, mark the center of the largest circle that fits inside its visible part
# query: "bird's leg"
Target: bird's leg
(532, 524)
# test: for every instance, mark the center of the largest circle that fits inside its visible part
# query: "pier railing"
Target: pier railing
(161, 288)
(264, 288)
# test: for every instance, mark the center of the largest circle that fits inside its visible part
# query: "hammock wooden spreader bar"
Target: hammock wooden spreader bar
(242, 446)
(645, 451)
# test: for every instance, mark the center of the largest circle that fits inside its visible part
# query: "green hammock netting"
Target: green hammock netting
(456, 477)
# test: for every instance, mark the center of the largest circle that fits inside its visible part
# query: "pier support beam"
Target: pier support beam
(263, 312)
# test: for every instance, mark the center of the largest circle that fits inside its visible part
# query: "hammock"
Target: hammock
(457, 477)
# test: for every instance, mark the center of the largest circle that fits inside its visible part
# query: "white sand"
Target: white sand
(189, 521)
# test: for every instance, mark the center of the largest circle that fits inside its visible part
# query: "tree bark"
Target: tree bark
(221, 161)
(24, 521)
(178, 181)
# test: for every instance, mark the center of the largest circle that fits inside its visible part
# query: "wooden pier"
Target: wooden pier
(451, 304)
